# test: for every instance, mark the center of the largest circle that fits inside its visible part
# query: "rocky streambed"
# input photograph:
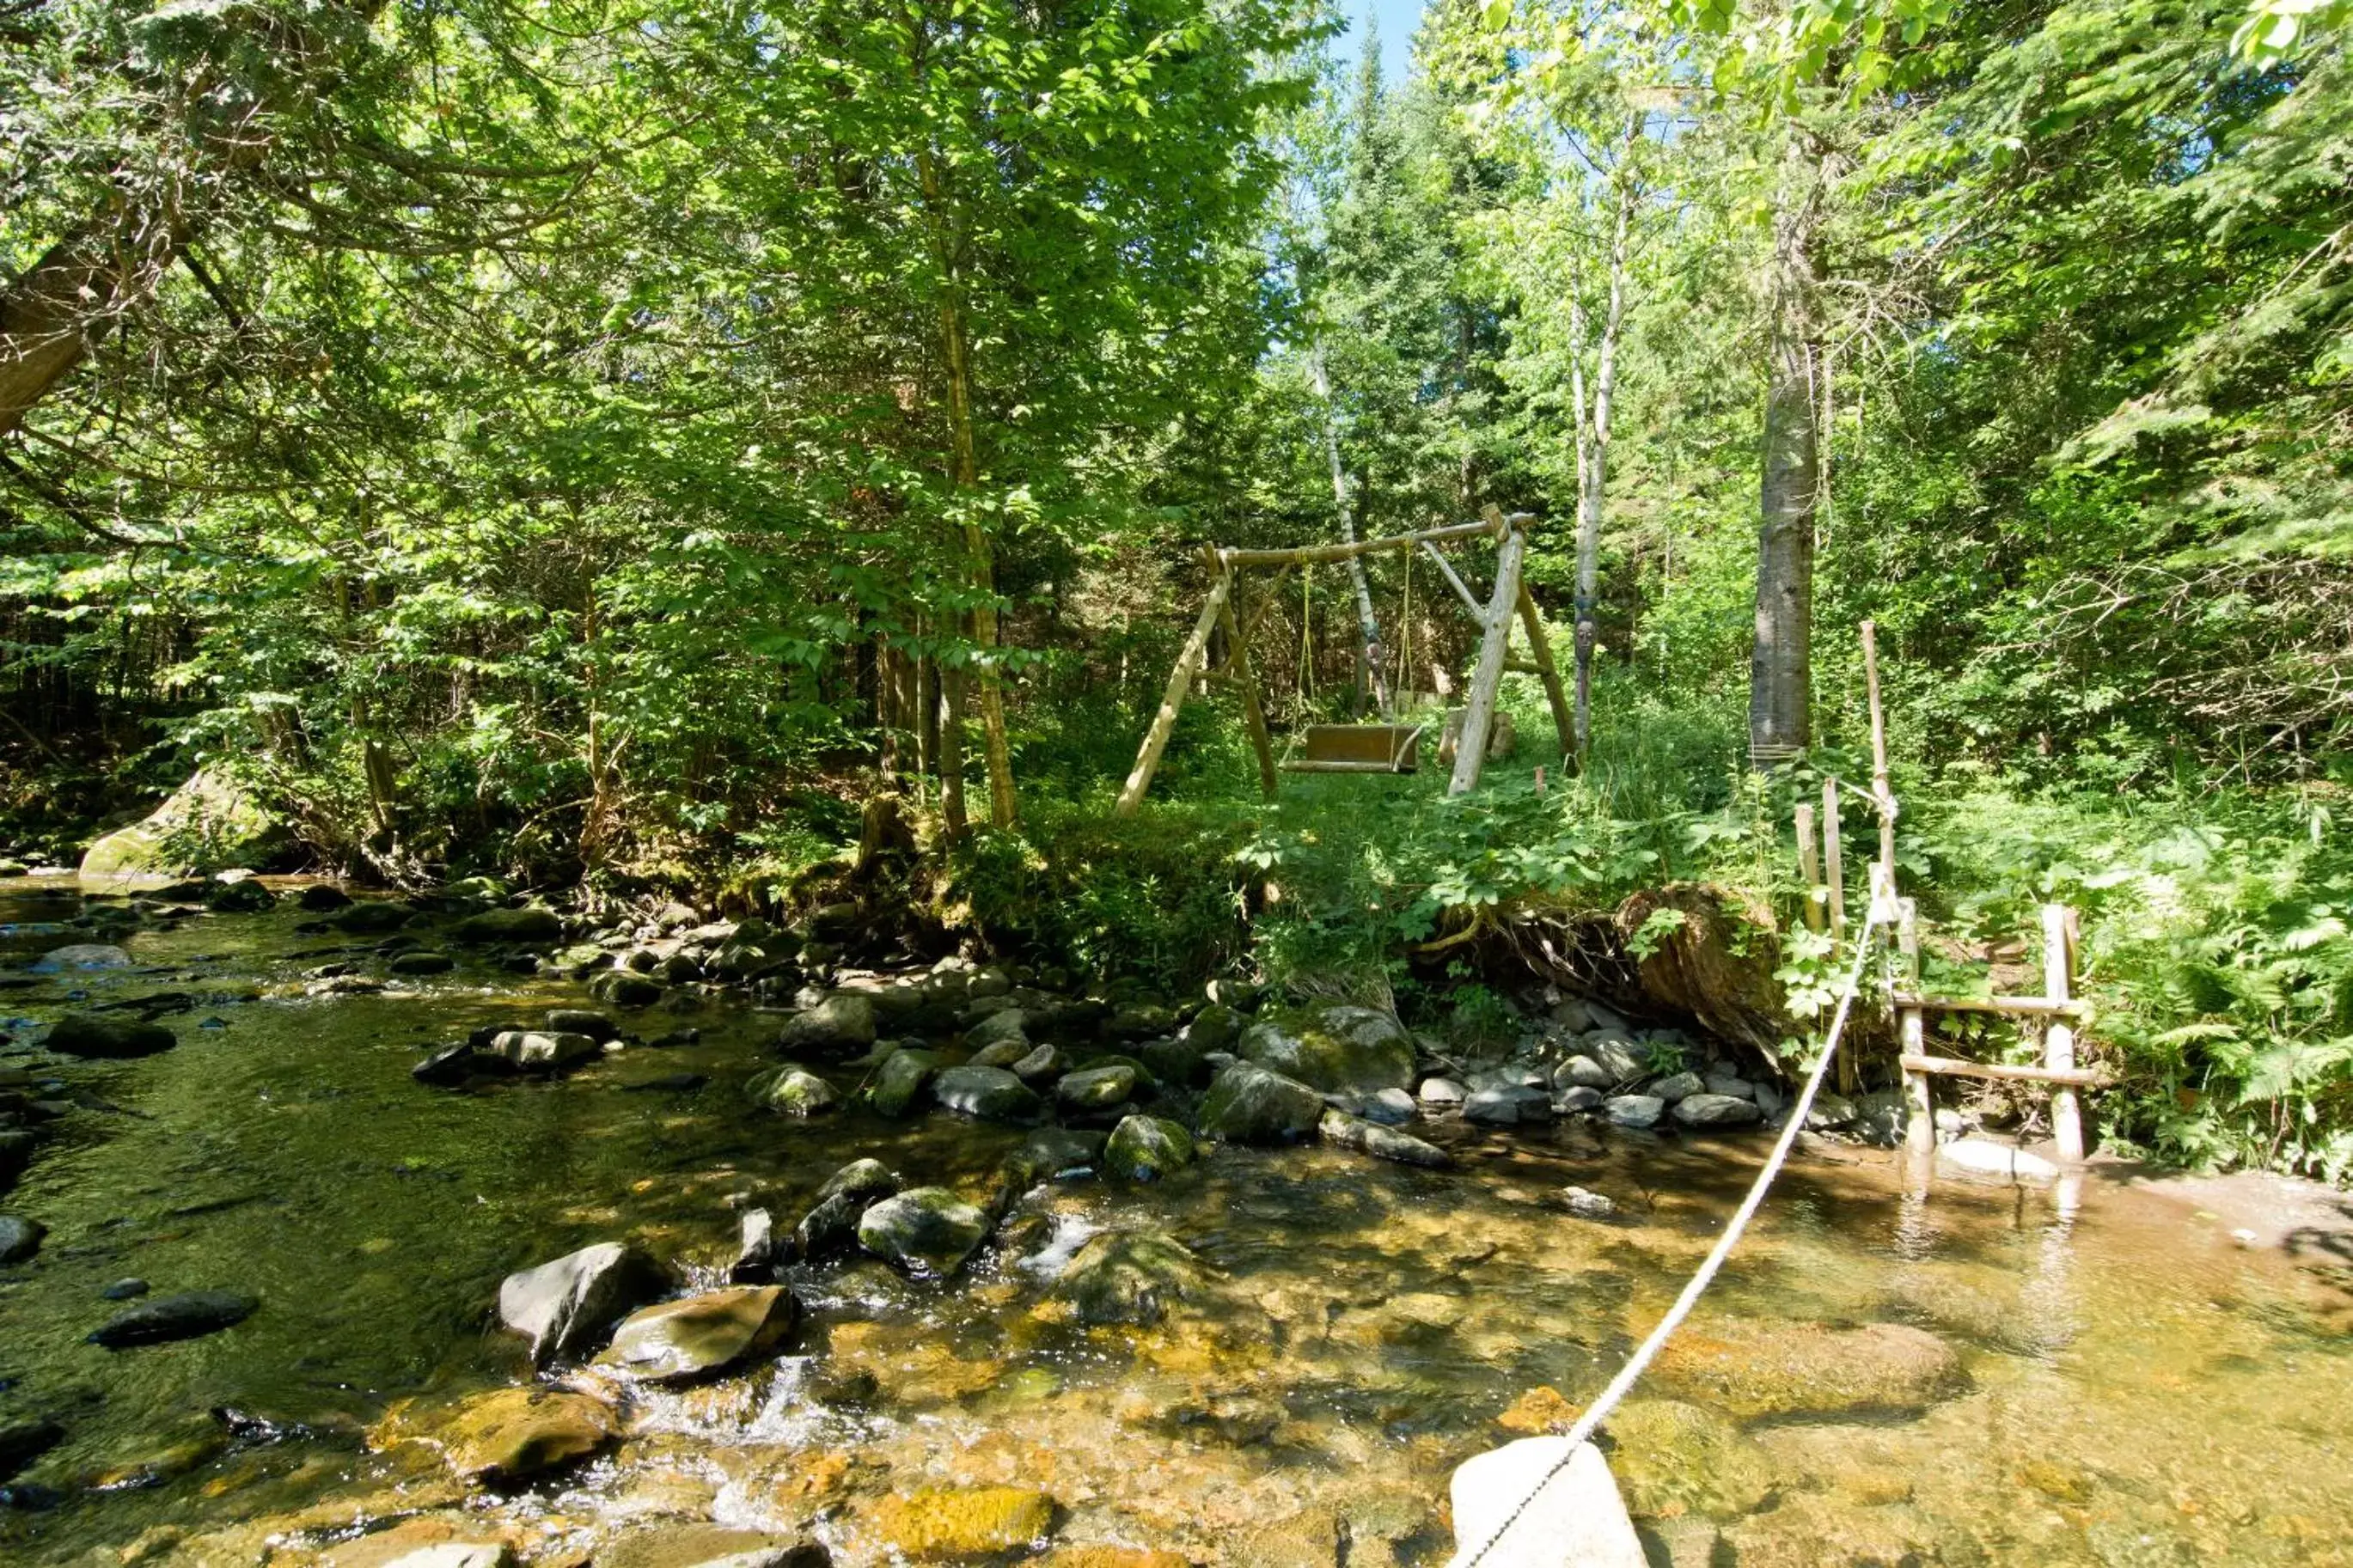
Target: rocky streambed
(364, 1232)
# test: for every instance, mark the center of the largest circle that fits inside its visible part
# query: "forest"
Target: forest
(609, 445)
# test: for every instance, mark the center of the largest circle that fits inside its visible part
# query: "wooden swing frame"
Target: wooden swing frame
(1510, 602)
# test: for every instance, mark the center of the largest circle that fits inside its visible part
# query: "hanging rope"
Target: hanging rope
(1640, 1362)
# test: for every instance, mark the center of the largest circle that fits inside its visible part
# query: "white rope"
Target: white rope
(1640, 1362)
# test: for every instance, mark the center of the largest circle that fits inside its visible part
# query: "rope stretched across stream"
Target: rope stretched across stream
(1648, 1350)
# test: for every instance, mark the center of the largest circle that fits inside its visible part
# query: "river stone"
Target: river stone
(1573, 1520)
(1569, 1101)
(210, 822)
(676, 1341)
(1178, 1060)
(513, 1434)
(843, 1020)
(677, 1544)
(81, 955)
(626, 988)
(107, 1035)
(901, 1078)
(988, 1094)
(1615, 1054)
(1339, 1050)
(1141, 1021)
(1583, 1073)
(1759, 1370)
(1440, 1092)
(1128, 1277)
(565, 1307)
(181, 1316)
(1249, 1104)
(1727, 1083)
(322, 898)
(125, 1290)
(1145, 1148)
(1097, 1089)
(928, 1231)
(999, 1028)
(1040, 1065)
(373, 917)
(239, 895)
(530, 923)
(1343, 1130)
(1508, 1105)
(1676, 1088)
(536, 1050)
(1587, 1204)
(1390, 1107)
(1051, 1153)
(421, 964)
(1634, 1109)
(936, 1524)
(1003, 1051)
(451, 1066)
(597, 1026)
(19, 1237)
(1716, 1110)
(16, 1146)
(1983, 1157)
(1214, 1028)
(757, 1251)
(797, 1093)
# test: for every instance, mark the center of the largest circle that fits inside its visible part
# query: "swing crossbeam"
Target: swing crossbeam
(1364, 748)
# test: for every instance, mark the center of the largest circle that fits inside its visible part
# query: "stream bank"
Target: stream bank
(1980, 1378)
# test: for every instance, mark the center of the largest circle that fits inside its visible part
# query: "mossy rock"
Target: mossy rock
(1129, 1277)
(531, 924)
(1145, 1148)
(1250, 1104)
(209, 823)
(677, 1340)
(940, 1524)
(1339, 1050)
(516, 1433)
(902, 1076)
(928, 1231)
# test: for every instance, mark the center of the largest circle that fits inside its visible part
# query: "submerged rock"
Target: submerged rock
(105, 1035)
(1249, 1104)
(421, 964)
(239, 895)
(1675, 1459)
(565, 1307)
(1343, 1130)
(1145, 1148)
(1052, 1153)
(928, 1231)
(623, 988)
(81, 955)
(374, 917)
(181, 1315)
(530, 923)
(1340, 1051)
(513, 1434)
(322, 898)
(931, 1524)
(1128, 1277)
(675, 1544)
(25, 1440)
(989, 1094)
(676, 1341)
(1769, 1371)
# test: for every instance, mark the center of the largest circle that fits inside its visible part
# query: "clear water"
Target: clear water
(2139, 1389)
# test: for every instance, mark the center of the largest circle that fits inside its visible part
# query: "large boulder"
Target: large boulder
(1145, 1148)
(1249, 1104)
(678, 1340)
(928, 1231)
(844, 1021)
(565, 1307)
(988, 1094)
(530, 923)
(1339, 1050)
(209, 823)
(107, 1035)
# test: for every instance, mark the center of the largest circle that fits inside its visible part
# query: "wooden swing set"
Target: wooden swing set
(1386, 748)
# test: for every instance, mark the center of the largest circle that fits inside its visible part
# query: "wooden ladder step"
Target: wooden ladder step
(1951, 1067)
(2008, 1007)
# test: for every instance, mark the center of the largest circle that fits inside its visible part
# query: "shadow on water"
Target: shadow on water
(2128, 1386)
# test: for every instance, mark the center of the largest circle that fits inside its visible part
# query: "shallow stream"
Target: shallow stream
(2134, 1387)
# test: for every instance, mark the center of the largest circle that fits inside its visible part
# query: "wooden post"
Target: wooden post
(1919, 1093)
(2059, 1035)
(1833, 868)
(1881, 794)
(1181, 682)
(1238, 660)
(1809, 867)
(1564, 723)
(1479, 709)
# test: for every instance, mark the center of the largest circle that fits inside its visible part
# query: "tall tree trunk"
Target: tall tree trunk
(1593, 446)
(1369, 673)
(955, 350)
(1780, 684)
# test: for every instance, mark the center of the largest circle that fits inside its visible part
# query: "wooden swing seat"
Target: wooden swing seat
(1358, 749)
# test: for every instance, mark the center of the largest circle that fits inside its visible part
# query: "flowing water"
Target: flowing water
(2134, 1387)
